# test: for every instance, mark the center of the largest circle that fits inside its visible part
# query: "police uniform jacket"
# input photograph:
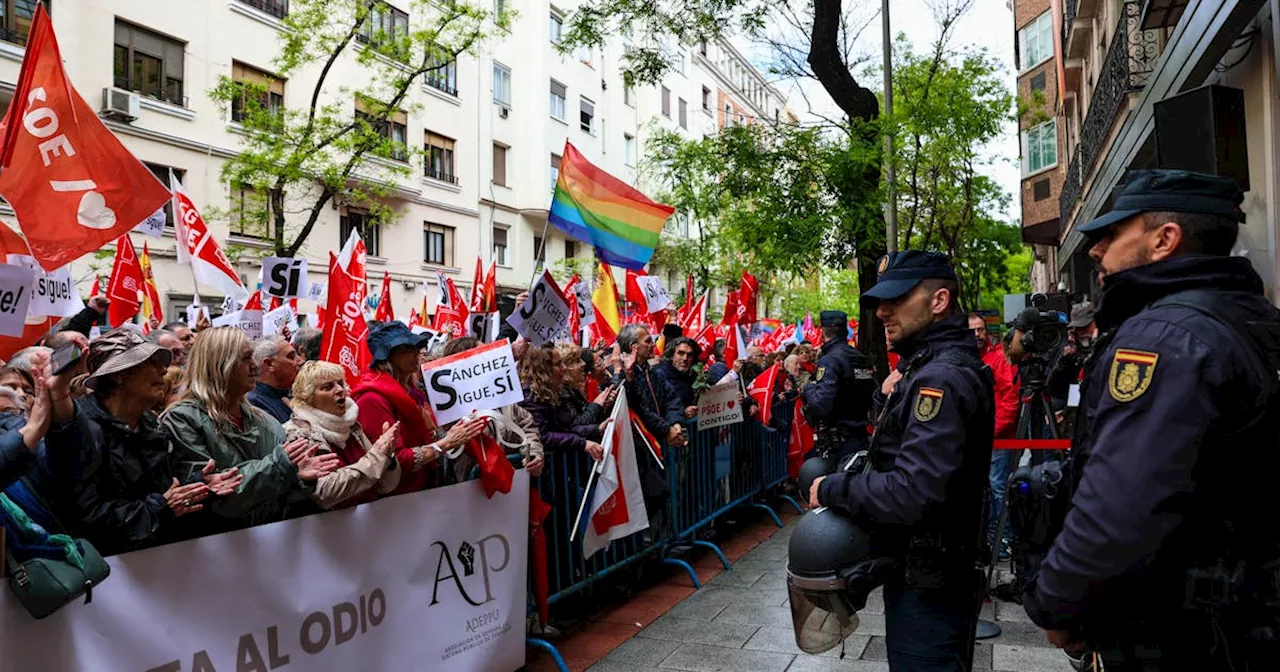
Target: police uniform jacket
(932, 448)
(1171, 443)
(840, 394)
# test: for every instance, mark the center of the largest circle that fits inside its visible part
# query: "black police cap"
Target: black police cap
(900, 272)
(833, 318)
(1163, 190)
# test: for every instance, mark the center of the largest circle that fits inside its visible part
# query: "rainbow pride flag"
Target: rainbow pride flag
(592, 206)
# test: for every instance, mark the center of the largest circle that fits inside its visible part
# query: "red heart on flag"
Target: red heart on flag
(731, 404)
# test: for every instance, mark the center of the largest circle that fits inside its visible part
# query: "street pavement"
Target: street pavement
(740, 622)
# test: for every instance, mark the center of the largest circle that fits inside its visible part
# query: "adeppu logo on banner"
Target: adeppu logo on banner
(544, 316)
(480, 379)
(655, 295)
(284, 277)
(719, 406)
(15, 297)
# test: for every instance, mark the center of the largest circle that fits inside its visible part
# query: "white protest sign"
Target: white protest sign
(655, 295)
(284, 277)
(451, 596)
(153, 226)
(719, 405)
(483, 326)
(276, 321)
(231, 304)
(544, 316)
(480, 379)
(586, 311)
(248, 321)
(193, 314)
(316, 292)
(15, 298)
(52, 294)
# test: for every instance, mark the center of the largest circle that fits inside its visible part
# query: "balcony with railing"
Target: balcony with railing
(1071, 186)
(276, 8)
(1131, 58)
(1069, 10)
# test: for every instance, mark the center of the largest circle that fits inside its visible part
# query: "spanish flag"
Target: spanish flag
(605, 301)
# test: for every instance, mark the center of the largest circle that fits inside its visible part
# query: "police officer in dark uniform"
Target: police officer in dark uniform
(922, 495)
(838, 401)
(1167, 557)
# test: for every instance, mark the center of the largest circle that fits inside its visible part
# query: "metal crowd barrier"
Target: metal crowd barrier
(721, 469)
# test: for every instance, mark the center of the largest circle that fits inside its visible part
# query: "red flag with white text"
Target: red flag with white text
(761, 391)
(124, 289)
(197, 246)
(344, 341)
(748, 293)
(72, 184)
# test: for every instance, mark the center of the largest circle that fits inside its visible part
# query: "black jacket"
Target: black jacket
(107, 481)
(680, 384)
(1174, 456)
(931, 453)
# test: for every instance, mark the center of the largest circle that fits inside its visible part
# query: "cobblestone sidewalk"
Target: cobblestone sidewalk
(740, 622)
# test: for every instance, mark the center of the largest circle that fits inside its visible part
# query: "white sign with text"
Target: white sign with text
(449, 596)
(655, 295)
(586, 310)
(284, 277)
(248, 321)
(276, 321)
(719, 405)
(15, 298)
(544, 316)
(480, 379)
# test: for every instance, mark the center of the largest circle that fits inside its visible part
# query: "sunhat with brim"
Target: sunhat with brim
(120, 350)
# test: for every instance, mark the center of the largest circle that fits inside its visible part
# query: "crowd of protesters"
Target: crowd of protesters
(184, 432)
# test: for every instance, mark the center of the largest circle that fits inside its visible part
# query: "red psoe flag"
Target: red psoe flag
(761, 391)
(730, 315)
(344, 342)
(124, 289)
(385, 312)
(67, 176)
(489, 294)
(748, 291)
(477, 287)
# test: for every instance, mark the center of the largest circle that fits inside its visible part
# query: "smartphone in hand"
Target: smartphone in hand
(64, 357)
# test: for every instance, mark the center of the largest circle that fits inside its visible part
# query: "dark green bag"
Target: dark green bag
(45, 585)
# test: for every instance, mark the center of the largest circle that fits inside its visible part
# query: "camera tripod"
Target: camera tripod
(1029, 488)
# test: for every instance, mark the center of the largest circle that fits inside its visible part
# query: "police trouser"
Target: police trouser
(932, 629)
(1190, 644)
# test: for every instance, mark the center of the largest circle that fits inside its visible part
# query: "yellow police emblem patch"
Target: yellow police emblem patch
(1131, 373)
(928, 403)
(818, 375)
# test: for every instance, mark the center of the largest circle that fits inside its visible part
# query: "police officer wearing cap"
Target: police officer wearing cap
(838, 401)
(1166, 559)
(922, 495)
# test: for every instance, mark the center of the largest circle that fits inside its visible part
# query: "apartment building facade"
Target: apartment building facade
(1167, 83)
(491, 128)
(1039, 139)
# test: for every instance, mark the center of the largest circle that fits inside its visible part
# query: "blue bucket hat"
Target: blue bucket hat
(900, 272)
(1162, 190)
(387, 336)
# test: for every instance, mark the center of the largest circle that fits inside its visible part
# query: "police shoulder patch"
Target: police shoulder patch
(1131, 373)
(928, 403)
(818, 375)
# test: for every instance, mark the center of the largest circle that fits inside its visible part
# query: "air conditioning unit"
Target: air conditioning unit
(119, 104)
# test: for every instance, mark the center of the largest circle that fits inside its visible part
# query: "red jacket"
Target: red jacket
(1006, 392)
(383, 400)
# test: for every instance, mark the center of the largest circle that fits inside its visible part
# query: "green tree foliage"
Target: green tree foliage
(950, 110)
(295, 161)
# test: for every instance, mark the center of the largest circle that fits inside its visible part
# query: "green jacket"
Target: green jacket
(271, 482)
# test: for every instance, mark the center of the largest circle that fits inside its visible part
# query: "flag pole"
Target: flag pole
(542, 251)
(195, 284)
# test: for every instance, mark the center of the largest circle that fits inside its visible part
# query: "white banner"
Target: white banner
(479, 379)
(153, 226)
(54, 293)
(249, 321)
(316, 292)
(336, 591)
(15, 298)
(719, 405)
(276, 321)
(284, 277)
(586, 311)
(544, 316)
(483, 326)
(655, 295)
